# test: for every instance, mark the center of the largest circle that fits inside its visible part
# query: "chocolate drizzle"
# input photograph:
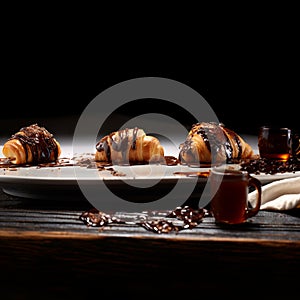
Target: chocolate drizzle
(118, 141)
(135, 131)
(39, 142)
(217, 141)
(102, 145)
(233, 135)
(213, 136)
(6, 163)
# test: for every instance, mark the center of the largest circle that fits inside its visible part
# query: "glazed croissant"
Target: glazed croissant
(209, 142)
(31, 145)
(129, 146)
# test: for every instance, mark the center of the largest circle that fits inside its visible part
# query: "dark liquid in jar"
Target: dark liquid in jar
(228, 204)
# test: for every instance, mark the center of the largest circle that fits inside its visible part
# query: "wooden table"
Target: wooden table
(47, 252)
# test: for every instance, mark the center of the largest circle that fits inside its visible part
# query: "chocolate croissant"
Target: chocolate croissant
(129, 146)
(31, 145)
(209, 142)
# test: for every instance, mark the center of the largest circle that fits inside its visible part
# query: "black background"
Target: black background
(50, 73)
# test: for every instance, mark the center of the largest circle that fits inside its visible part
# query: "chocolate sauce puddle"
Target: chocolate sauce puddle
(5, 163)
(189, 218)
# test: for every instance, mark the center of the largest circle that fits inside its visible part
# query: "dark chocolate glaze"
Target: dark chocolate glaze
(171, 160)
(186, 148)
(216, 138)
(135, 131)
(102, 145)
(38, 141)
(119, 142)
(237, 140)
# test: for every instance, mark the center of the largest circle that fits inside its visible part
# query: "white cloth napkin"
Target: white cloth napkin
(282, 194)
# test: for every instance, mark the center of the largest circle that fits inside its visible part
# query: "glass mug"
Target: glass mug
(296, 145)
(229, 188)
(275, 143)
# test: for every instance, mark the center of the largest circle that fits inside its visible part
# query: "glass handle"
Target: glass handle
(250, 212)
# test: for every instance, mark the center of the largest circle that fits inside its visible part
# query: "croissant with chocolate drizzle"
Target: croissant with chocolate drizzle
(31, 145)
(129, 146)
(212, 143)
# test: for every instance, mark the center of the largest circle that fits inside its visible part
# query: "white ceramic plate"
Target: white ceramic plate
(65, 182)
(62, 182)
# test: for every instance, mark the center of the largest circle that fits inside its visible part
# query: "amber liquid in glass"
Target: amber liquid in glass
(275, 143)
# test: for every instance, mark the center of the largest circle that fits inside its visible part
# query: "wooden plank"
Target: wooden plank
(136, 265)
(277, 227)
(46, 242)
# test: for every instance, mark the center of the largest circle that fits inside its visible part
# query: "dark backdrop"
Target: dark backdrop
(45, 78)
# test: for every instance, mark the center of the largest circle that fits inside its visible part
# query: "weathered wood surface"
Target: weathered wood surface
(46, 241)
